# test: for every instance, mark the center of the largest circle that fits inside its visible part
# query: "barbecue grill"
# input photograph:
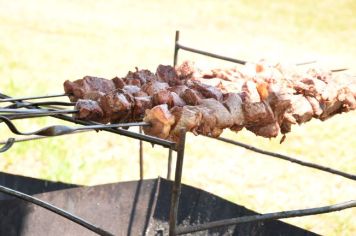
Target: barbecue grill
(152, 207)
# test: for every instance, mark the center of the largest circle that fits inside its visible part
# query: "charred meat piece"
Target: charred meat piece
(344, 101)
(191, 97)
(185, 70)
(317, 109)
(78, 88)
(176, 100)
(88, 110)
(323, 75)
(230, 74)
(178, 89)
(143, 76)
(208, 126)
(258, 113)
(134, 82)
(268, 131)
(279, 98)
(140, 94)
(223, 117)
(310, 86)
(301, 109)
(161, 121)
(250, 93)
(118, 82)
(233, 103)
(162, 97)
(93, 95)
(131, 89)
(207, 91)
(167, 97)
(140, 106)
(187, 117)
(168, 75)
(154, 87)
(347, 97)
(116, 107)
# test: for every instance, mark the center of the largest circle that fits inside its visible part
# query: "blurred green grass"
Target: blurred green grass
(43, 43)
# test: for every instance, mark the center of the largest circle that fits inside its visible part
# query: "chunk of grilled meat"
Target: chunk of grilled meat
(161, 121)
(78, 89)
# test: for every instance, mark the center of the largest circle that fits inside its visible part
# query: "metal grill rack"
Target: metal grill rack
(37, 109)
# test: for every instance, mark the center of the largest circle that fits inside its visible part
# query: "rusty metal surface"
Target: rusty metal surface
(122, 209)
(198, 206)
(128, 208)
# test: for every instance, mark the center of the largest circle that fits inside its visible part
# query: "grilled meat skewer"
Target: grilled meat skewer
(265, 99)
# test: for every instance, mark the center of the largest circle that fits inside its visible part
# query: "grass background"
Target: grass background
(43, 43)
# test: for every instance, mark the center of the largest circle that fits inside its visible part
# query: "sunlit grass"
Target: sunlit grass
(43, 43)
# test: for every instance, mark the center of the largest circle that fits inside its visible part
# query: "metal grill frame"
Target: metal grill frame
(179, 147)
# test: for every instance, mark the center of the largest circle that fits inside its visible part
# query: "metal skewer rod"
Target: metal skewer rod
(180, 46)
(38, 114)
(8, 145)
(19, 140)
(32, 98)
(209, 54)
(24, 116)
(127, 133)
(35, 111)
(305, 63)
(49, 103)
(339, 70)
(287, 158)
(57, 130)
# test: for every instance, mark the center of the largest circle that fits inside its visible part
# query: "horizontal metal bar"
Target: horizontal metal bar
(49, 103)
(118, 125)
(268, 216)
(35, 111)
(8, 145)
(11, 110)
(287, 158)
(127, 133)
(143, 137)
(33, 115)
(36, 137)
(55, 210)
(209, 54)
(305, 63)
(32, 98)
(180, 46)
(339, 70)
(57, 130)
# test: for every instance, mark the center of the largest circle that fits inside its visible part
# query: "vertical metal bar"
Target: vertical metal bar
(176, 48)
(169, 167)
(176, 188)
(141, 157)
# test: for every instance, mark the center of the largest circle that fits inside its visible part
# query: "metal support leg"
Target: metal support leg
(176, 188)
(169, 166)
(176, 48)
(141, 157)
